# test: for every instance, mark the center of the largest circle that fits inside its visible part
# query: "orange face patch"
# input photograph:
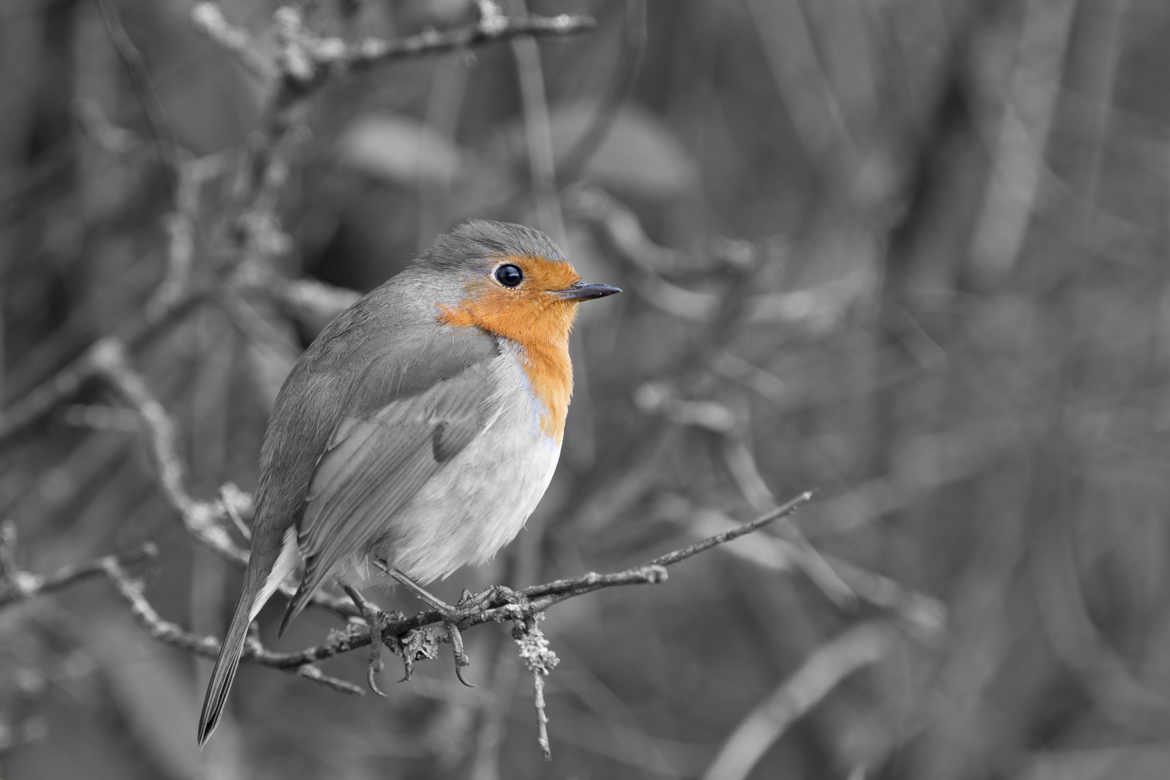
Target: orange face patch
(531, 315)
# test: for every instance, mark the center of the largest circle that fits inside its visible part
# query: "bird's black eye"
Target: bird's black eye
(509, 275)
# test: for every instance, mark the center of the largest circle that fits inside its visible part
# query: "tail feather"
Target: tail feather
(268, 565)
(297, 603)
(224, 672)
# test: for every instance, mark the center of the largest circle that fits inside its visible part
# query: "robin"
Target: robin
(419, 430)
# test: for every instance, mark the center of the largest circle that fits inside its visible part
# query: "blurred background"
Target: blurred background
(911, 254)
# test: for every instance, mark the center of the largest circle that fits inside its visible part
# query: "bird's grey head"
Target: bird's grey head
(477, 244)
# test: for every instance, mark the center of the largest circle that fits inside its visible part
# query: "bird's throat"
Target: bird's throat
(540, 329)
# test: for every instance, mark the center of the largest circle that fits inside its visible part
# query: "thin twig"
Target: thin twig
(539, 657)
(785, 510)
(165, 631)
(537, 130)
(135, 65)
(206, 521)
(305, 299)
(40, 402)
(181, 226)
(831, 663)
(625, 73)
(209, 18)
(920, 612)
(22, 586)
(375, 52)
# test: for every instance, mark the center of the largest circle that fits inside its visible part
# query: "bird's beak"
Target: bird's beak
(586, 291)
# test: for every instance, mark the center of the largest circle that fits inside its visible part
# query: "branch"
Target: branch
(489, 29)
(496, 605)
(40, 402)
(201, 518)
(500, 605)
(206, 521)
(309, 301)
(306, 61)
(735, 533)
(209, 18)
(922, 614)
(827, 667)
(492, 606)
(23, 585)
(147, 616)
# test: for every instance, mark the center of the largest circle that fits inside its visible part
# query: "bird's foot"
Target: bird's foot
(495, 595)
(377, 621)
(419, 644)
(451, 615)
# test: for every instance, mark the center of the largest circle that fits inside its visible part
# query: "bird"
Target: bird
(419, 430)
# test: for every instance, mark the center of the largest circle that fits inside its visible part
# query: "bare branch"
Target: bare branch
(498, 605)
(147, 616)
(672, 558)
(537, 131)
(375, 52)
(135, 65)
(22, 585)
(821, 672)
(209, 18)
(922, 613)
(40, 402)
(206, 521)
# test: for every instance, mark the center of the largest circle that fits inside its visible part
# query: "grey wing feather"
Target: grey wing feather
(413, 389)
(375, 465)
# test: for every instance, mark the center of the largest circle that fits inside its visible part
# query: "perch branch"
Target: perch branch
(499, 605)
(492, 606)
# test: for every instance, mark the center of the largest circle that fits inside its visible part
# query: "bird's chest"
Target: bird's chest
(504, 475)
(483, 497)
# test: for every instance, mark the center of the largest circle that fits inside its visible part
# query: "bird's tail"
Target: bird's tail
(268, 565)
(226, 665)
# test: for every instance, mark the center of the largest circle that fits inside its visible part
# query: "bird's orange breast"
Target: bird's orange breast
(538, 322)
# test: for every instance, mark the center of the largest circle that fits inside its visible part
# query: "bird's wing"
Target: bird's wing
(397, 437)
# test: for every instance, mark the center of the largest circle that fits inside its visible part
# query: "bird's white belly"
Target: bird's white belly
(481, 499)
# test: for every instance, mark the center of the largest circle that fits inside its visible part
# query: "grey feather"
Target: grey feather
(365, 479)
(488, 240)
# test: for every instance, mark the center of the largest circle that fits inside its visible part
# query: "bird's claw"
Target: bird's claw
(484, 599)
(372, 672)
(450, 615)
(376, 621)
(461, 658)
(376, 665)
